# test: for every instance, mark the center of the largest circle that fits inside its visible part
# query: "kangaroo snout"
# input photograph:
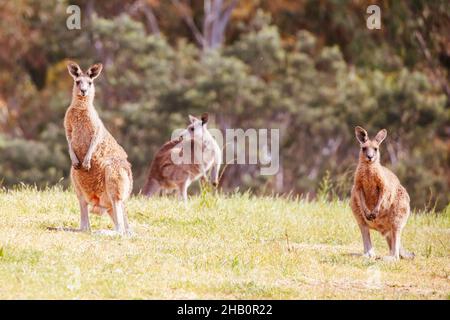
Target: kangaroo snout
(370, 157)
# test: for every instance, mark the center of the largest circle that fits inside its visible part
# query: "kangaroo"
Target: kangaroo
(378, 200)
(167, 174)
(100, 172)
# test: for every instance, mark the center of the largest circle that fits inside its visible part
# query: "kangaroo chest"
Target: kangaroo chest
(371, 188)
(83, 130)
(208, 157)
(201, 153)
(208, 151)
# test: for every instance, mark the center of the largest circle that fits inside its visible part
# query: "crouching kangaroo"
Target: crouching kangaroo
(378, 200)
(166, 173)
(100, 172)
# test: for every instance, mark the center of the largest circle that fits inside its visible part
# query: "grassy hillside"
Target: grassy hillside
(226, 247)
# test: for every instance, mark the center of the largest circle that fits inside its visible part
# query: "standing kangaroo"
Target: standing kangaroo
(100, 172)
(205, 153)
(378, 200)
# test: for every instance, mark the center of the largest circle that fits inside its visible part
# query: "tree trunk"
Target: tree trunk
(215, 20)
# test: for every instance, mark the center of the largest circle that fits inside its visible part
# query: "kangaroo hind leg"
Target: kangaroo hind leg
(151, 188)
(84, 209)
(118, 188)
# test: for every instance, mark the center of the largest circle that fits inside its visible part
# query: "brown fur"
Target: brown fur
(103, 180)
(165, 174)
(378, 200)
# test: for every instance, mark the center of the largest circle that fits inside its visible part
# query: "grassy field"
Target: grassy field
(234, 246)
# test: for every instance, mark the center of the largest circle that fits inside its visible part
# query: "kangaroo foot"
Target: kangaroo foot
(108, 233)
(369, 254)
(390, 259)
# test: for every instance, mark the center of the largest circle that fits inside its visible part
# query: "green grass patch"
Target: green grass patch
(217, 246)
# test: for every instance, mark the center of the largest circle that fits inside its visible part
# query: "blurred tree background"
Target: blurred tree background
(310, 68)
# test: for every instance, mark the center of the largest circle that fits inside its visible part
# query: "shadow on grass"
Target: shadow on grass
(63, 229)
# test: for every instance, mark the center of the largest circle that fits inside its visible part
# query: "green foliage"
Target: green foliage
(312, 85)
(325, 191)
(208, 195)
(30, 162)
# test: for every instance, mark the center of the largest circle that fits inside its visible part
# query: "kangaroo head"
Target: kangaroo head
(370, 148)
(83, 83)
(197, 127)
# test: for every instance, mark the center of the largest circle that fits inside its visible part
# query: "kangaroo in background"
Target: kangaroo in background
(100, 172)
(165, 174)
(378, 200)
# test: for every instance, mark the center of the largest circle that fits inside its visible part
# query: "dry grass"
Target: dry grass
(236, 246)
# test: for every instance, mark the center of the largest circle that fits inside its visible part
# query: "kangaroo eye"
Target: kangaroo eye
(364, 149)
(90, 82)
(376, 149)
(78, 82)
(192, 128)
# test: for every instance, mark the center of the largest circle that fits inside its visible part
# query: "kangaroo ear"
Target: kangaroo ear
(193, 119)
(204, 118)
(74, 69)
(94, 71)
(361, 134)
(381, 135)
